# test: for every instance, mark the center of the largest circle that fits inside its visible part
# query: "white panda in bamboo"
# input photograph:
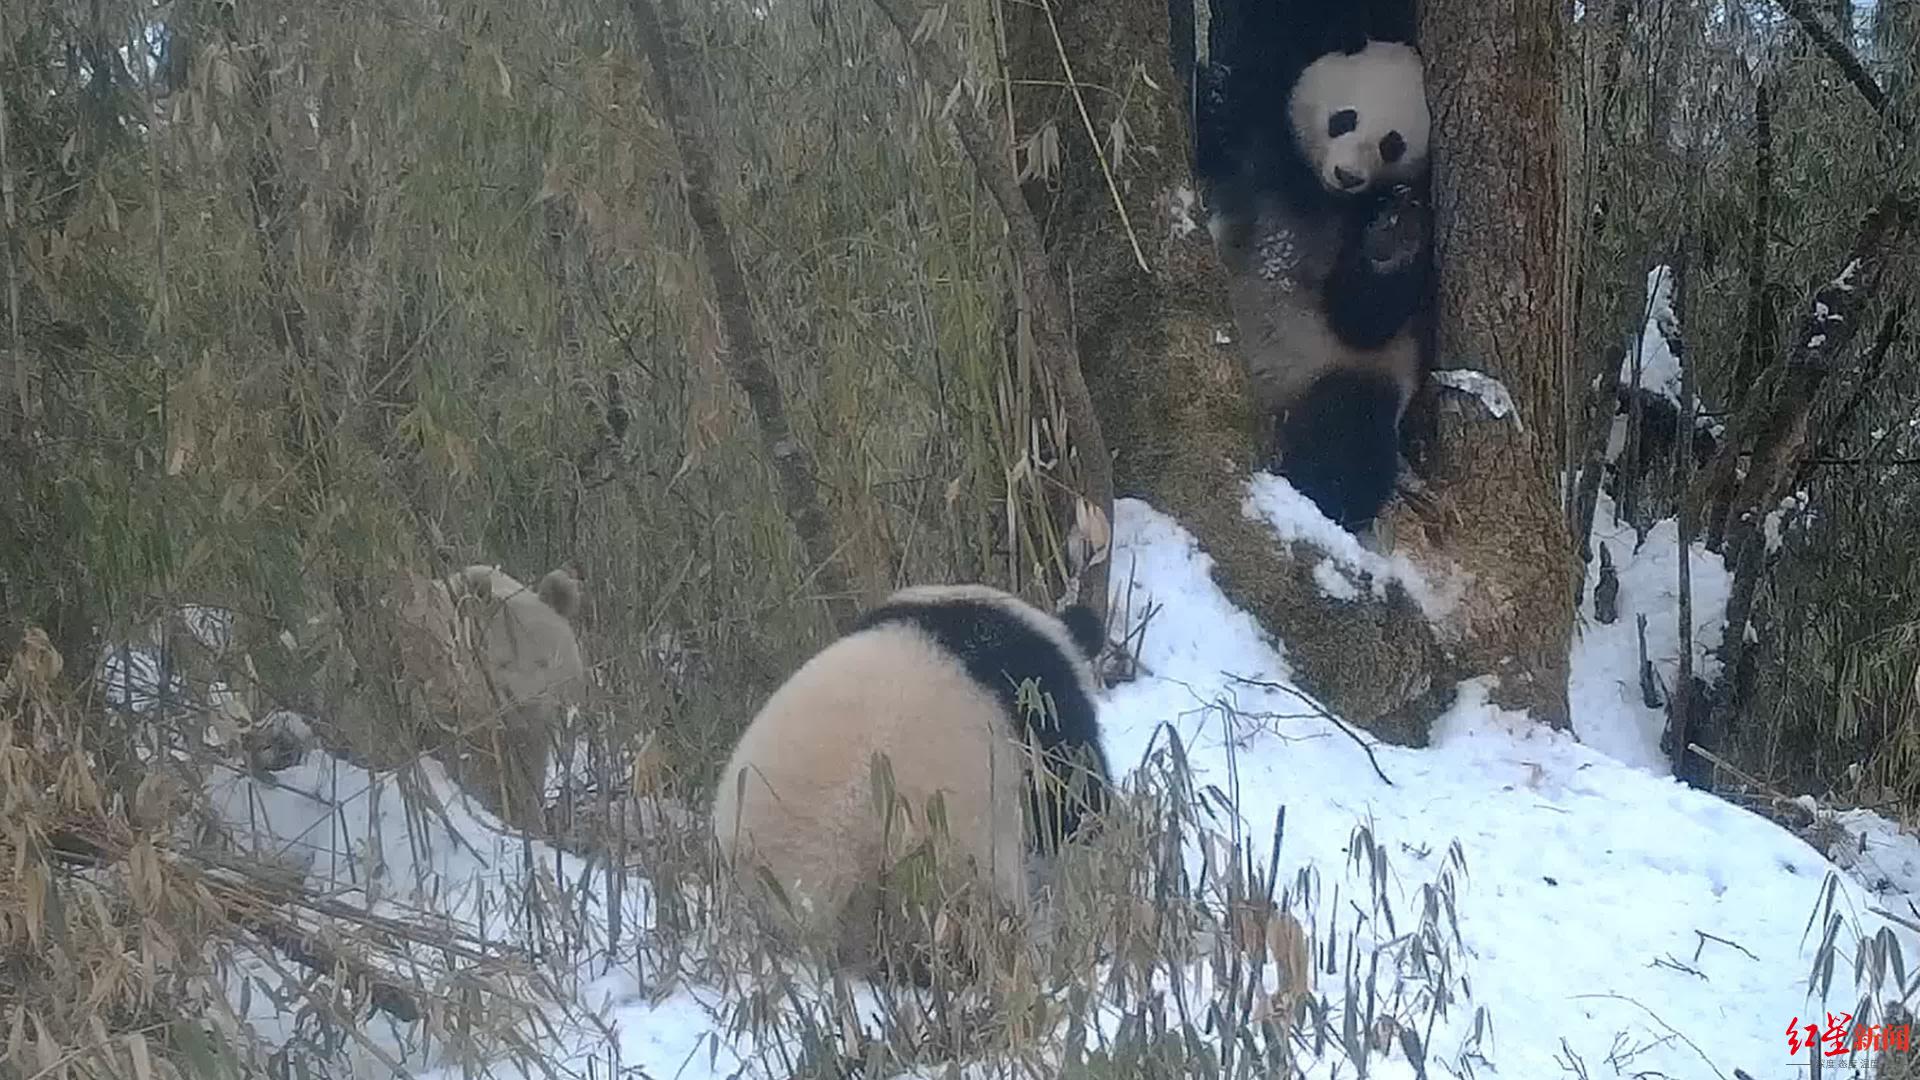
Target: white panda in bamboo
(932, 679)
(529, 671)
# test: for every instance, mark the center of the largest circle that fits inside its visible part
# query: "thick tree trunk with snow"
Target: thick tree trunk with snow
(1171, 395)
(1493, 77)
(1172, 398)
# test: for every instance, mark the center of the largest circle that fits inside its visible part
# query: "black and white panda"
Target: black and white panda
(1311, 143)
(932, 679)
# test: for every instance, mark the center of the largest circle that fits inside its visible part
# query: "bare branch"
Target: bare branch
(1827, 328)
(1323, 713)
(1840, 53)
(1870, 369)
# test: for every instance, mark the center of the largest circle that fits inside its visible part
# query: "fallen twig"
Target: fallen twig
(1320, 711)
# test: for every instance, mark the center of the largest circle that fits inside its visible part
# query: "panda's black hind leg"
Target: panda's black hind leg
(1066, 793)
(1340, 447)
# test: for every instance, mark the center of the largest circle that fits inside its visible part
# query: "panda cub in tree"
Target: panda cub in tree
(933, 680)
(1311, 127)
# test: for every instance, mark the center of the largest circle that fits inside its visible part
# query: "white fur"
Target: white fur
(796, 797)
(532, 669)
(533, 656)
(1385, 85)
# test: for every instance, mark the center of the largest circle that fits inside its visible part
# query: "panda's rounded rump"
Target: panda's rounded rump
(930, 680)
(797, 798)
(888, 690)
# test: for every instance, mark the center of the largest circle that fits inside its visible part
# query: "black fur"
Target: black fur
(999, 650)
(1244, 147)
(1368, 303)
(1086, 629)
(1659, 432)
(1340, 446)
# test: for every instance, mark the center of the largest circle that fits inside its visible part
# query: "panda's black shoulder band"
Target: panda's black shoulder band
(1002, 651)
(1086, 629)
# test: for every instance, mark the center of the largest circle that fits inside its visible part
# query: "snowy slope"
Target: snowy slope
(1584, 872)
(1608, 913)
(436, 859)
(1604, 677)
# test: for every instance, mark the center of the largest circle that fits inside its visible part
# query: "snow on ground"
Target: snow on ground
(1877, 852)
(364, 844)
(1604, 683)
(1293, 518)
(1586, 876)
(1606, 911)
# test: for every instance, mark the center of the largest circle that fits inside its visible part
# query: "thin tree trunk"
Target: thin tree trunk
(674, 68)
(1681, 702)
(1498, 190)
(1040, 297)
(1756, 335)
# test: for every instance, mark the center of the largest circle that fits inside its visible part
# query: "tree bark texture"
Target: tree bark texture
(1778, 426)
(1171, 395)
(1715, 499)
(1493, 71)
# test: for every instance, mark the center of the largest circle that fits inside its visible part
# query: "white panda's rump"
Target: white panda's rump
(797, 797)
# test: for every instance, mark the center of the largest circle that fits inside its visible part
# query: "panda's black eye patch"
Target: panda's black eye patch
(1342, 122)
(1392, 147)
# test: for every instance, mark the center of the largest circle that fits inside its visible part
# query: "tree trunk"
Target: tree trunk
(1171, 397)
(1173, 400)
(675, 70)
(1493, 78)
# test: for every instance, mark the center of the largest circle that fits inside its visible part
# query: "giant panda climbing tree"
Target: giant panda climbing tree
(1148, 297)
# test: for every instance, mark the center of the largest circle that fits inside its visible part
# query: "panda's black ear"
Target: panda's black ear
(1088, 632)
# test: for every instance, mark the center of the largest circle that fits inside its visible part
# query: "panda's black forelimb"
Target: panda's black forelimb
(1382, 277)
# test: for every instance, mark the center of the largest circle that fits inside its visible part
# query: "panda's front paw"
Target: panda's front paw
(1397, 232)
